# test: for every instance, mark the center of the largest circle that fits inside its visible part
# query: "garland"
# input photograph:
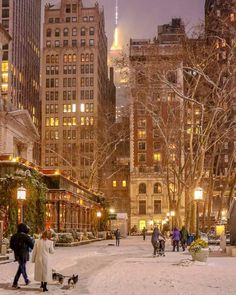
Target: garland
(34, 205)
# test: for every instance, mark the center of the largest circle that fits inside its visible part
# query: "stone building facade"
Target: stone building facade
(78, 99)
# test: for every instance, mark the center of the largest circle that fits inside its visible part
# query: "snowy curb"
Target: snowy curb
(75, 244)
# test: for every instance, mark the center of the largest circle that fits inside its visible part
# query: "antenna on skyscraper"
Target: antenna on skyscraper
(117, 12)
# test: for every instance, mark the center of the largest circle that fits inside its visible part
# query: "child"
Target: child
(162, 241)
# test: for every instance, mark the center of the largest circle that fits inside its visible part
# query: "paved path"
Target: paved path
(131, 270)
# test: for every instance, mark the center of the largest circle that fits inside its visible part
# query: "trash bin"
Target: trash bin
(190, 239)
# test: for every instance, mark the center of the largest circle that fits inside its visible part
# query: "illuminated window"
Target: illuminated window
(157, 188)
(69, 108)
(52, 122)
(73, 121)
(64, 121)
(141, 134)
(82, 121)
(157, 156)
(172, 157)
(232, 17)
(124, 184)
(64, 108)
(47, 121)
(73, 108)
(82, 107)
(56, 121)
(114, 183)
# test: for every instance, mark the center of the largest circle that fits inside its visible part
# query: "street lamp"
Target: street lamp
(198, 196)
(21, 196)
(99, 215)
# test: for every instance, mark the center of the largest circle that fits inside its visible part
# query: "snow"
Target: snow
(131, 270)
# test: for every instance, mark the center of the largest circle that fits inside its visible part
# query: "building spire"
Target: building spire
(116, 43)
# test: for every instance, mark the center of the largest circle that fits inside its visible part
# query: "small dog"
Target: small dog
(72, 281)
(58, 277)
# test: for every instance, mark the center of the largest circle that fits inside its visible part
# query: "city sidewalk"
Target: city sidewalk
(131, 270)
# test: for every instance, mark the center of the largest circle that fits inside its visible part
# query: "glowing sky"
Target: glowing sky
(139, 18)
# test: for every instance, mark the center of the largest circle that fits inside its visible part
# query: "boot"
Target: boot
(45, 287)
(41, 286)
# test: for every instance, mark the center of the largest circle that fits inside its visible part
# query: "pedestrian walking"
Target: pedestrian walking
(154, 240)
(162, 243)
(117, 235)
(21, 243)
(42, 248)
(184, 237)
(144, 231)
(176, 238)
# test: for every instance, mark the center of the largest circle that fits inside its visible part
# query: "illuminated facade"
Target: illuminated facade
(154, 131)
(76, 91)
(21, 57)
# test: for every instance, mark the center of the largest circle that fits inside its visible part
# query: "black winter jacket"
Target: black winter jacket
(21, 243)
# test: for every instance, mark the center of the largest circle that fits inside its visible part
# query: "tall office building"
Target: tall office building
(21, 57)
(78, 99)
(20, 64)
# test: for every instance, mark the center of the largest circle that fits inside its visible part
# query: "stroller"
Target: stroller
(161, 246)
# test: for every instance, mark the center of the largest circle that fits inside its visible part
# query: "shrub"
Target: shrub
(197, 245)
(65, 238)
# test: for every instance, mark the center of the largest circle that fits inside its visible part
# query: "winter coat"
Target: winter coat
(176, 235)
(117, 234)
(155, 235)
(184, 234)
(21, 243)
(42, 270)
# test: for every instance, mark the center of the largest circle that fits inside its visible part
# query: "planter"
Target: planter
(201, 256)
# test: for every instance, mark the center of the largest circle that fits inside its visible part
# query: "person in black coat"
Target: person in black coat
(21, 243)
(117, 235)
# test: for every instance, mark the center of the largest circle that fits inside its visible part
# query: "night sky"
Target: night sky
(139, 18)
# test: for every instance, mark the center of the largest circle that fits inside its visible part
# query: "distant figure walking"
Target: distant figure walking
(21, 243)
(144, 231)
(43, 247)
(117, 235)
(184, 237)
(154, 240)
(176, 238)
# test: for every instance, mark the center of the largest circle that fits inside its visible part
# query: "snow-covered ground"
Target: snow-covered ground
(131, 270)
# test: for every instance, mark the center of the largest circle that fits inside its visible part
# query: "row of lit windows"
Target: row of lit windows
(70, 95)
(68, 58)
(86, 107)
(69, 108)
(142, 157)
(115, 183)
(142, 134)
(72, 19)
(51, 161)
(57, 43)
(66, 32)
(86, 121)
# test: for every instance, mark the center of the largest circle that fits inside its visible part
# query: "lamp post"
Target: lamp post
(172, 214)
(21, 196)
(99, 215)
(198, 196)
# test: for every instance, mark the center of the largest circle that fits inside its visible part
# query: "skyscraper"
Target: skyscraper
(21, 57)
(77, 95)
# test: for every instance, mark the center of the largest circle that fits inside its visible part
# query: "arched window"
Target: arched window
(83, 32)
(52, 59)
(74, 58)
(74, 32)
(82, 57)
(65, 58)
(91, 57)
(91, 31)
(87, 57)
(69, 58)
(66, 32)
(56, 59)
(142, 188)
(57, 33)
(157, 188)
(48, 59)
(49, 33)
